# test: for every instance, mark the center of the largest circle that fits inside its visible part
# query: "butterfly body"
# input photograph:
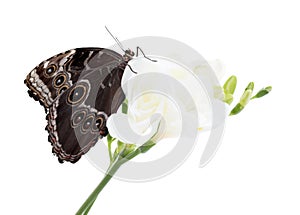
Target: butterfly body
(79, 89)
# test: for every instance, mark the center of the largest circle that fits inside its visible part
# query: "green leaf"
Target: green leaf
(262, 92)
(128, 149)
(123, 149)
(146, 146)
(120, 146)
(110, 139)
(230, 85)
(118, 150)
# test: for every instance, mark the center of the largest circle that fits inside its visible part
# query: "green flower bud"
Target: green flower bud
(238, 108)
(128, 149)
(230, 85)
(245, 97)
(244, 100)
(268, 88)
(228, 98)
(262, 92)
(250, 86)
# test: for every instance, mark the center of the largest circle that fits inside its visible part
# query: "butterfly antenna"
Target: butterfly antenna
(120, 44)
(116, 39)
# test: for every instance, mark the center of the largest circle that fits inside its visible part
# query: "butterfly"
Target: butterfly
(79, 90)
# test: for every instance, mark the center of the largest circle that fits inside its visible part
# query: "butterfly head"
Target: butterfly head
(128, 55)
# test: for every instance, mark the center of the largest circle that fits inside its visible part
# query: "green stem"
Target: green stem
(84, 209)
(89, 207)
(112, 169)
(109, 150)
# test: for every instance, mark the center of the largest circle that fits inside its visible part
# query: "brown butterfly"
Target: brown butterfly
(79, 89)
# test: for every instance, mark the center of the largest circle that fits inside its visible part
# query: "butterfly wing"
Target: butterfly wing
(53, 76)
(77, 118)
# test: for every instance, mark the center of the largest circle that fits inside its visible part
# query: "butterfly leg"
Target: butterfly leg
(131, 69)
(137, 53)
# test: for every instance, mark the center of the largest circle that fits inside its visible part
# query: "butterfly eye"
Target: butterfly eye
(98, 124)
(78, 118)
(87, 123)
(77, 94)
(50, 70)
(59, 80)
(63, 89)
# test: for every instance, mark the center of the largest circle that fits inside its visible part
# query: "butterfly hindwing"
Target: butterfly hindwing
(73, 133)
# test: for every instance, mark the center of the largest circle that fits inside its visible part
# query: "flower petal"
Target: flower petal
(120, 128)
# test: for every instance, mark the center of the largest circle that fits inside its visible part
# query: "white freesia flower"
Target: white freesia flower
(162, 90)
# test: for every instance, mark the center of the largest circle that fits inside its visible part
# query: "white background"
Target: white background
(256, 170)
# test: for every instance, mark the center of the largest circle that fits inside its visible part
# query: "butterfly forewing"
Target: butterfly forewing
(53, 76)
